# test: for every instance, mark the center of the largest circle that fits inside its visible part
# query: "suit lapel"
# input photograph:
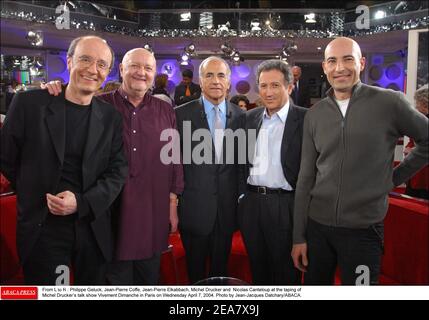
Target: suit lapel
(199, 117)
(258, 121)
(254, 123)
(55, 121)
(290, 127)
(199, 120)
(231, 114)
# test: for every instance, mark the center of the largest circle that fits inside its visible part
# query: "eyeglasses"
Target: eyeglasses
(87, 61)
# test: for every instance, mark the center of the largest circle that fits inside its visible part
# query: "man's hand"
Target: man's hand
(54, 87)
(62, 204)
(174, 218)
(299, 256)
(407, 151)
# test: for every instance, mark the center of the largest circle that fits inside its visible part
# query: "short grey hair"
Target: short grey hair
(211, 58)
(75, 42)
(275, 64)
(421, 94)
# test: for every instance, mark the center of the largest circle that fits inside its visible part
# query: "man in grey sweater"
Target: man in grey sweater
(347, 171)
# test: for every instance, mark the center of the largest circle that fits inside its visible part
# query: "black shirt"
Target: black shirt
(77, 121)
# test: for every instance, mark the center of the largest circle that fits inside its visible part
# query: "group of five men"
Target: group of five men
(92, 187)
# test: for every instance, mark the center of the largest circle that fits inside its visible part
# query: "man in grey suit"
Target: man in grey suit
(207, 208)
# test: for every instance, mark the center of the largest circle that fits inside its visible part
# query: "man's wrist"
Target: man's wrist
(173, 199)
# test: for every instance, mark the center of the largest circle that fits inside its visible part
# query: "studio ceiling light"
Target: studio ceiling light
(185, 16)
(148, 47)
(380, 14)
(255, 25)
(310, 18)
(35, 38)
(190, 50)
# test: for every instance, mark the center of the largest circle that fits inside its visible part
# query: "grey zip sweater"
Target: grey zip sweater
(347, 162)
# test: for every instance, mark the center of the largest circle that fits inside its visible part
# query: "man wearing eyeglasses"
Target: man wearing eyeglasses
(64, 157)
(148, 204)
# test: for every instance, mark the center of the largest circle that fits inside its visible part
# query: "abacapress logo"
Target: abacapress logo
(15, 293)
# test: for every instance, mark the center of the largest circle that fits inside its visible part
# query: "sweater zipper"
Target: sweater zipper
(340, 182)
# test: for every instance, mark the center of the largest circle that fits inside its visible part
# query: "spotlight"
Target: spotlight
(293, 48)
(380, 14)
(285, 51)
(233, 52)
(255, 25)
(184, 59)
(226, 49)
(273, 21)
(148, 47)
(38, 62)
(34, 71)
(190, 49)
(35, 38)
(223, 30)
(289, 49)
(310, 18)
(236, 58)
(408, 6)
(185, 16)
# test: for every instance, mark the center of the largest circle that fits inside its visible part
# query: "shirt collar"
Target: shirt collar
(208, 106)
(124, 95)
(281, 114)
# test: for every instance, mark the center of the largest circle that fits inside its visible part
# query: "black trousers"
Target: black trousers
(417, 193)
(135, 272)
(65, 241)
(266, 225)
(216, 246)
(354, 251)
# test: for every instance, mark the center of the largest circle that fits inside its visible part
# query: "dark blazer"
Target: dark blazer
(301, 98)
(211, 190)
(33, 144)
(179, 93)
(291, 143)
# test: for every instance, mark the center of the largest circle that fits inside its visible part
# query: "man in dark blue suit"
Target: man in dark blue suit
(207, 212)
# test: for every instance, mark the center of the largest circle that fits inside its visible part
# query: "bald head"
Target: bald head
(72, 48)
(137, 52)
(342, 65)
(296, 71)
(138, 70)
(343, 42)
